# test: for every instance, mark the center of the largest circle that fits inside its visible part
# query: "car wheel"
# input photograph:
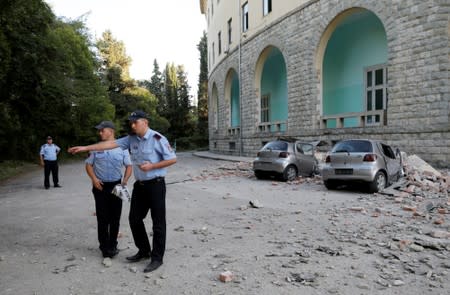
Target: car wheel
(259, 174)
(378, 183)
(290, 173)
(330, 184)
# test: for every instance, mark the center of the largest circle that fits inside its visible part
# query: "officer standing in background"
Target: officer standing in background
(150, 153)
(48, 155)
(105, 170)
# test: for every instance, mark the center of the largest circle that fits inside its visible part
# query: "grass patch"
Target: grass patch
(11, 168)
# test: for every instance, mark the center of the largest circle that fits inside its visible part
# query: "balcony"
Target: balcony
(276, 126)
(362, 119)
(233, 131)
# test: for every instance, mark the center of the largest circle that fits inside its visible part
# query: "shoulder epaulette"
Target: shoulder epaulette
(157, 136)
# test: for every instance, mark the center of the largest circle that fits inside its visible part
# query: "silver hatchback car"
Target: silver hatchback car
(287, 158)
(369, 161)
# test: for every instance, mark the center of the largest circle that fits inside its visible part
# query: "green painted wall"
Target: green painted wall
(358, 41)
(274, 83)
(235, 107)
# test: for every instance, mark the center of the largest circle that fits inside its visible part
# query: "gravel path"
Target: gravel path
(274, 238)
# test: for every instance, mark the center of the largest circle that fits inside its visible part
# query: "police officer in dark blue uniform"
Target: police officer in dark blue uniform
(105, 170)
(48, 155)
(150, 154)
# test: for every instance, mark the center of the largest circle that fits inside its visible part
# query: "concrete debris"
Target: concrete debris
(255, 204)
(416, 163)
(226, 276)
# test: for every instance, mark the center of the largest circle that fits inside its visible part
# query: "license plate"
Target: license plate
(343, 171)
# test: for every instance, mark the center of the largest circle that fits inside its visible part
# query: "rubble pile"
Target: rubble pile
(423, 190)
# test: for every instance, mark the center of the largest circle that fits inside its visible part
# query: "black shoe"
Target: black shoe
(155, 264)
(57, 185)
(46, 187)
(138, 256)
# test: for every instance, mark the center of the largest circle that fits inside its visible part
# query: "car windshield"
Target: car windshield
(276, 145)
(353, 146)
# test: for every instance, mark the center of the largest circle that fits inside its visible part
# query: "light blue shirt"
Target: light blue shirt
(152, 147)
(108, 164)
(49, 151)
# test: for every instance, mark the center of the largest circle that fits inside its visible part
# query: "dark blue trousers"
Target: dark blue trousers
(149, 195)
(50, 166)
(108, 208)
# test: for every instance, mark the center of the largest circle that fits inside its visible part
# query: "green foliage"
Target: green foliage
(113, 54)
(202, 94)
(53, 81)
(48, 84)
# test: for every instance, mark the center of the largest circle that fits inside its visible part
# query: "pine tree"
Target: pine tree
(202, 93)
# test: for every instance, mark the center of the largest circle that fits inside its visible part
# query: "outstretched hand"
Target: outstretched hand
(76, 149)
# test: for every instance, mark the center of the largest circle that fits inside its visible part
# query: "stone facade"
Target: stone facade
(418, 117)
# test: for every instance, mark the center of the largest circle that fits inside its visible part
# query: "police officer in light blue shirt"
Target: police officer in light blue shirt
(48, 155)
(150, 153)
(105, 170)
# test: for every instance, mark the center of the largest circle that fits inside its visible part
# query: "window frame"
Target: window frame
(245, 22)
(265, 108)
(267, 7)
(219, 42)
(230, 30)
(370, 93)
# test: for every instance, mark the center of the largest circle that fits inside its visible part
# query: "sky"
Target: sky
(165, 30)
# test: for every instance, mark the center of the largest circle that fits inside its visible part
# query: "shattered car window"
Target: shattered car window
(388, 151)
(307, 149)
(353, 146)
(276, 145)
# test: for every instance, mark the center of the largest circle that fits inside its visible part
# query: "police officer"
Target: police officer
(105, 170)
(150, 154)
(48, 155)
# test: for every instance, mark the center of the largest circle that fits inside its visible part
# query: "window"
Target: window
(267, 7)
(265, 108)
(245, 17)
(376, 92)
(219, 42)
(213, 53)
(229, 31)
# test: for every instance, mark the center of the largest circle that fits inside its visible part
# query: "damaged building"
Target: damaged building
(329, 70)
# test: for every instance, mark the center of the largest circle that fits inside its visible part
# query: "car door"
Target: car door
(305, 158)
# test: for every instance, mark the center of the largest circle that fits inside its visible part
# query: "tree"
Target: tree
(23, 29)
(114, 56)
(72, 96)
(124, 92)
(202, 93)
(48, 85)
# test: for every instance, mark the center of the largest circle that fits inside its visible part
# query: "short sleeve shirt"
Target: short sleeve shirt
(108, 164)
(153, 147)
(49, 151)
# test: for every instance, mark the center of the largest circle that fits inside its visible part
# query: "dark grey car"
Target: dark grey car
(286, 158)
(370, 161)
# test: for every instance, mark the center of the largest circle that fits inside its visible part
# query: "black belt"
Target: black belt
(107, 182)
(150, 181)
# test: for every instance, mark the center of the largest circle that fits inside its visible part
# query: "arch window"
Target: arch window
(354, 82)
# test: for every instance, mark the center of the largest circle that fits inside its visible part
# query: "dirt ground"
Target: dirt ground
(297, 238)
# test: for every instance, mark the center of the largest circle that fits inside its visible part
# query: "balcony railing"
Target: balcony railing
(234, 130)
(364, 119)
(276, 126)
